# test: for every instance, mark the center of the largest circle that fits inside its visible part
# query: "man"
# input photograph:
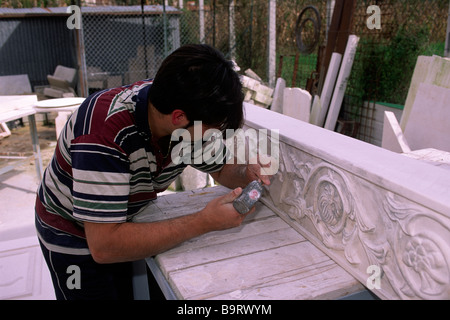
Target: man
(112, 158)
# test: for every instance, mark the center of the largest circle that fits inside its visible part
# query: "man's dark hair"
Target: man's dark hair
(200, 81)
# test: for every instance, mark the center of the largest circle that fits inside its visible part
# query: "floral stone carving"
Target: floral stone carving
(360, 224)
(383, 217)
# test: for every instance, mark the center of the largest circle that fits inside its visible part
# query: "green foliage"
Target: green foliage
(33, 3)
(306, 66)
(400, 58)
(383, 72)
(189, 26)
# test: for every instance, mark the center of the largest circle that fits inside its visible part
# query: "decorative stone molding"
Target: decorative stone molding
(383, 217)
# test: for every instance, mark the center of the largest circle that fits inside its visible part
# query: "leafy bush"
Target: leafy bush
(383, 72)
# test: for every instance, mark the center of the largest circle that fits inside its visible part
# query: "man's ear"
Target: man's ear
(179, 118)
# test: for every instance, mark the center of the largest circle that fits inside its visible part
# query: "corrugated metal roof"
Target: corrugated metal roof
(148, 9)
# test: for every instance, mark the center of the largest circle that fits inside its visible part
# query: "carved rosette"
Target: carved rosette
(321, 194)
(332, 207)
(422, 250)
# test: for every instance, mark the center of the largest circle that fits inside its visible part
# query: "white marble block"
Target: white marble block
(297, 103)
(24, 274)
(256, 92)
(328, 88)
(432, 70)
(428, 125)
(15, 84)
(60, 122)
(192, 178)
(277, 102)
(393, 137)
(315, 110)
(341, 82)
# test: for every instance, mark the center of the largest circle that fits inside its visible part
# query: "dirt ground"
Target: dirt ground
(19, 144)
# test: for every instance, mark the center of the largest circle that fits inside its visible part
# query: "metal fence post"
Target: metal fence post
(83, 89)
(232, 35)
(201, 15)
(166, 51)
(272, 43)
(447, 38)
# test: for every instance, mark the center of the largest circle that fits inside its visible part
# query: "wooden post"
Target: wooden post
(338, 34)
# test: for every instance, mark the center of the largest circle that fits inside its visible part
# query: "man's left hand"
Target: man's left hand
(261, 168)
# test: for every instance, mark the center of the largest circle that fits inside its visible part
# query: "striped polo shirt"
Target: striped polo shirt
(105, 168)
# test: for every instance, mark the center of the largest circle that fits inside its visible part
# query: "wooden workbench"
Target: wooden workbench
(264, 258)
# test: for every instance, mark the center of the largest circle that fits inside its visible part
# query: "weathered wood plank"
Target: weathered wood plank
(264, 258)
(182, 203)
(321, 281)
(179, 204)
(297, 271)
(246, 230)
(224, 246)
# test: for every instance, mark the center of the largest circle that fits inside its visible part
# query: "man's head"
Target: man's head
(200, 81)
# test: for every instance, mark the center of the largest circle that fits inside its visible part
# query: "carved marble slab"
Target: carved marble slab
(383, 217)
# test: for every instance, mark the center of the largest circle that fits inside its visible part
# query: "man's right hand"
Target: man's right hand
(219, 214)
(130, 241)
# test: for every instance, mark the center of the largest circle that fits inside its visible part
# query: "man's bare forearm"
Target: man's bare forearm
(119, 242)
(232, 176)
(134, 241)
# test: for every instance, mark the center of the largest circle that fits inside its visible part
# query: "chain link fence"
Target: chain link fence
(124, 44)
(126, 40)
(386, 58)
